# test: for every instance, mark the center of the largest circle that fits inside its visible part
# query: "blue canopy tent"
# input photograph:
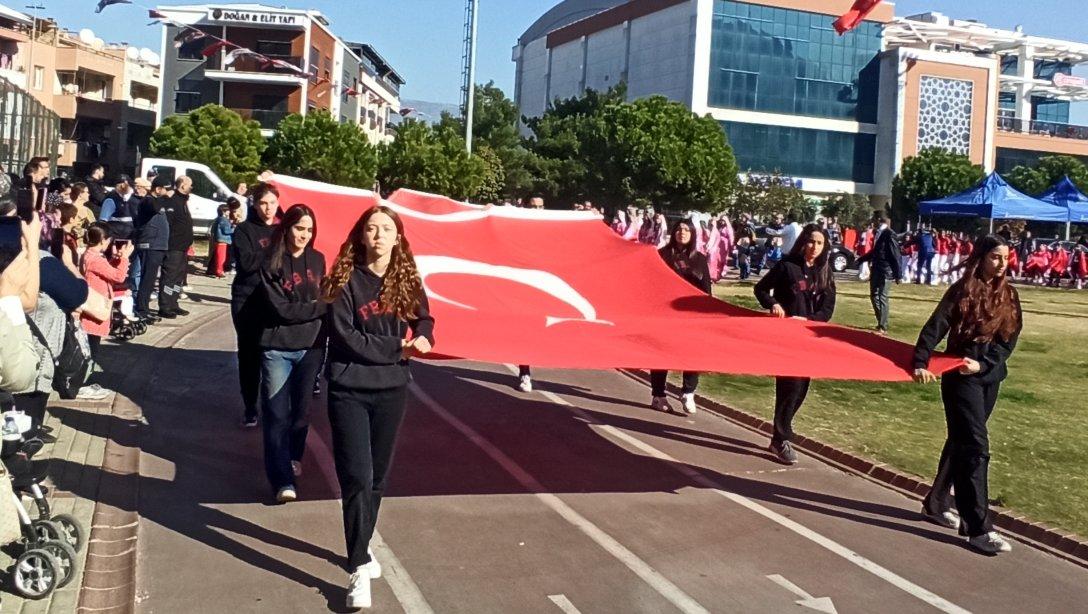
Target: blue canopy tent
(995, 199)
(1065, 194)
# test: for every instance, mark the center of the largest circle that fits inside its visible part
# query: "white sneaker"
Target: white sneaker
(990, 543)
(944, 519)
(661, 404)
(286, 494)
(359, 589)
(186, 287)
(183, 296)
(296, 468)
(374, 568)
(689, 403)
(93, 392)
(525, 384)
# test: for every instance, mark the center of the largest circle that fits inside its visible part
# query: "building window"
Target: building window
(314, 67)
(186, 102)
(39, 78)
(944, 114)
(777, 60)
(274, 49)
(802, 152)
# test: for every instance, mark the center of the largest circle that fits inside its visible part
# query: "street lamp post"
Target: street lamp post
(33, 41)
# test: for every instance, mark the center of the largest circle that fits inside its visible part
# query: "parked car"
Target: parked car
(841, 257)
(209, 191)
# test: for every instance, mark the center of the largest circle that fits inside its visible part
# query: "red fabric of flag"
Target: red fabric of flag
(560, 289)
(855, 15)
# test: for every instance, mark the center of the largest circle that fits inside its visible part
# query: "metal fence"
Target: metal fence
(27, 128)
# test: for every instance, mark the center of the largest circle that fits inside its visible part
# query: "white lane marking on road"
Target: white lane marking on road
(819, 604)
(396, 576)
(404, 588)
(668, 590)
(881, 572)
(564, 604)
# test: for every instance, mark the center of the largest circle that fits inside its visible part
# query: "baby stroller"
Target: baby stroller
(124, 324)
(49, 543)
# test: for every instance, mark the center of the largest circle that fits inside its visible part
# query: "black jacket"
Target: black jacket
(992, 355)
(152, 227)
(251, 237)
(692, 266)
(96, 191)
(294, 313)
(180, 220)
(365, 340)
(792, 284)
(885, 256)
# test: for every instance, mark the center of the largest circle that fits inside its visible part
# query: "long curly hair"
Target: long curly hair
(402, 287)
(986, 309)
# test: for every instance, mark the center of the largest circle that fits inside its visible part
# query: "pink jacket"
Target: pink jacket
(101, 276)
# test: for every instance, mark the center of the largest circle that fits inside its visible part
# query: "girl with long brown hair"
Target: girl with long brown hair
(292, 343)
(980, 314)
(376, 298)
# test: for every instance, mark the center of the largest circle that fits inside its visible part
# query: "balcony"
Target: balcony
(1041, 128)
(267, 119)
(251, 70)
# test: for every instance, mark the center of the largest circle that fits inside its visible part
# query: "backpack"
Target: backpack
(72, 365)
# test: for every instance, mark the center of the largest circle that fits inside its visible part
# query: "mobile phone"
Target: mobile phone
(11, 240)
(24, 204)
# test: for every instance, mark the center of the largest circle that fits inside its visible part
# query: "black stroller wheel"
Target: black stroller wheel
(66, 557)
(47, 530)
(73, 531)
(35, 574)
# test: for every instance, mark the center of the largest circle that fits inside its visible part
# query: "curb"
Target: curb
(109, 577)
(1058, 542)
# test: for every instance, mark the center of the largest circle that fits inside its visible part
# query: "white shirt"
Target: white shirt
(790, 234)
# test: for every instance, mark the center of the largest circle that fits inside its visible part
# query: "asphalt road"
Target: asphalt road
(574, 498)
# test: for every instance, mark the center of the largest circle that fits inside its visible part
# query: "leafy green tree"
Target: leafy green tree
(430, 159)
(319, 147)
(215, 136)
(491, 188)
(851, 210)
(1035, 180)
(933, 173)
(764, 196)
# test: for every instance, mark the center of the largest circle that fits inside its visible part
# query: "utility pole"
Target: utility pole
(468, 73)
(33, 42)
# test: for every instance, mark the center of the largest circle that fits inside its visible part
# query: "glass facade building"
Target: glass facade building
(787, 61)
(802, 152)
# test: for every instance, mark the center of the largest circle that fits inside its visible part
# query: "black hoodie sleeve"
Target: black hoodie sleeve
(934, 331)
(827, 305)
(248, 254)
(703, 275)
(998, 351)
(286, 310)
(765, 286)
(423, 324)
(359, 346)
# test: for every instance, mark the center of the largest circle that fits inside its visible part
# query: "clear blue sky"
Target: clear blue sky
(422, 38)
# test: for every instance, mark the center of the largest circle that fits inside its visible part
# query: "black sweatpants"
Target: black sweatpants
(173, 277)
(880, 294)
(965, 459)
(247, 329)
(789, 395)
(658, 379)
(149, 279)
(364, 434)
(32, 404)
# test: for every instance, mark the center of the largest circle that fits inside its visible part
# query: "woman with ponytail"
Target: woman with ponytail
(980, 314)
(376, 299)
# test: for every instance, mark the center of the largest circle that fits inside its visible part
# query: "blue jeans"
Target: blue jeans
(135, 271)
(287, 382)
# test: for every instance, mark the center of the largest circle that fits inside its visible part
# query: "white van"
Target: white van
(209, 191)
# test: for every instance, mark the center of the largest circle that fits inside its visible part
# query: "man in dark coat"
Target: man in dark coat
(181, 239)
(886, 268)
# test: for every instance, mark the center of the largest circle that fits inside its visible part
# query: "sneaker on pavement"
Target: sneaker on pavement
(689, 402)
(186, 287)
(249, 422)
(374, 568)
(183, 296)
(944, 519)
(93, 392)
(178, 311)
(990, 543)
(296, 468)
(167, 315)
(661, 404)
(286, 494)
(359, 589)
(525, 383)
(784, 451)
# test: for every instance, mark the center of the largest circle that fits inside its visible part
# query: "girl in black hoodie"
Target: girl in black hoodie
(689, 263)
(376, 298)
(251, 238)
(292, 344)
(799, 286)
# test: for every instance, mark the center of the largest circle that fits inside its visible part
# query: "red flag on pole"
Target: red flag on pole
(855, 15)
(214, 48)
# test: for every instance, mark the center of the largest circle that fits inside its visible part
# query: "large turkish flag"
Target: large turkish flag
(560, 289)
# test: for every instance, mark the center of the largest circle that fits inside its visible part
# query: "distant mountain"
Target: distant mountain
(429, 112)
